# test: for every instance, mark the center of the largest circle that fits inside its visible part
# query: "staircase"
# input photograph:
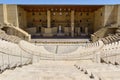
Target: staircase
(99, 71)
(16, 31)
(99, 34)
(45, 70)
(103, 32)
(64, 70)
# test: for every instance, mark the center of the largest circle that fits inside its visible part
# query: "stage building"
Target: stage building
(72, 21)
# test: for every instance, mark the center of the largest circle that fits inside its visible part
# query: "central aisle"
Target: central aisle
(45, 70)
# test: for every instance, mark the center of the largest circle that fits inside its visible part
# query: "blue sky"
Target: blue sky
(60, 1)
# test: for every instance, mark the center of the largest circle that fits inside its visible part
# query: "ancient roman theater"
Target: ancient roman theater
(59, 42)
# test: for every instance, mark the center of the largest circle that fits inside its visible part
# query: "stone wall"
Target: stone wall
(3, 13)
(111, 16)
(12, 15)
(84, 19)
(36, 19)
(98, 19)
(118, 20)
(22, 18)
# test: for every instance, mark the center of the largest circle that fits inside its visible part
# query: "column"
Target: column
(72, 23)
(48, 19)
(48, 31)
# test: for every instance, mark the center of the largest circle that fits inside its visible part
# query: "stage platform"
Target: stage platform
(47, 40)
